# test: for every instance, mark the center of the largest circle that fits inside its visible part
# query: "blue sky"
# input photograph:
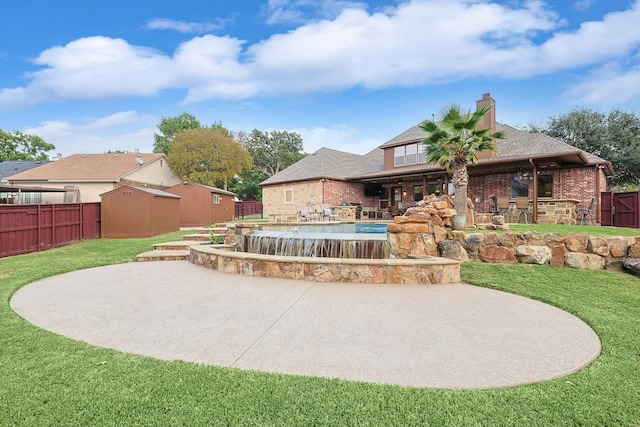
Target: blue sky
(93, 76)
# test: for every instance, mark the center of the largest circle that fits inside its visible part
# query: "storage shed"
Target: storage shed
(129, 212)
(201, 205)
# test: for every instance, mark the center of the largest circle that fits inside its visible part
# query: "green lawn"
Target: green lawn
(46, 379)
(585, 229)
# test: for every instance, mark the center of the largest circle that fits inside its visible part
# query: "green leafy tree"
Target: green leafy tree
(207, 156)
(246, 185)
(454, 142)
(21, 146)
(614, 136)
(274, 151)
(169, 127)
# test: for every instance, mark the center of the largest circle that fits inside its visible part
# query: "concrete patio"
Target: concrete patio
(451, 336)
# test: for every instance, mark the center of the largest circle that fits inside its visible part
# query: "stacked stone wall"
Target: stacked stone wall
(416, 237)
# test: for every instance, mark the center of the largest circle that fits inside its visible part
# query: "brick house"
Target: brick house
(558, 179)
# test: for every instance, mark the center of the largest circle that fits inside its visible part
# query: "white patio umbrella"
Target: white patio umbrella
(75, 198)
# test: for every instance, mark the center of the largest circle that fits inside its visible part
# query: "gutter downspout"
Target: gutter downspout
(535, 191)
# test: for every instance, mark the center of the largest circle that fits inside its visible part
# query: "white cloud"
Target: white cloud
(184, 27)
(583, 5)
(416, 43)
(125, 131)
(293, 12)
(607, 86)
(339, 137)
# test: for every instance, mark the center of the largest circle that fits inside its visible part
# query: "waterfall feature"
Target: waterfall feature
(327, 245)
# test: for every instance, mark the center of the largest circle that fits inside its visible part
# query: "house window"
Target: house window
(288, 195)
(31, 198)
(519, 186)
(435, 188)
(417, 193)
(412, 154)
(408, 154)
(216, 199)
(398, 156)
(545, 185)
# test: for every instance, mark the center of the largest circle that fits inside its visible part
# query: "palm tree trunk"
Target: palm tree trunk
(460, 182)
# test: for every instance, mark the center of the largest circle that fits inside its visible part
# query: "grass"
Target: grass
(47, 379)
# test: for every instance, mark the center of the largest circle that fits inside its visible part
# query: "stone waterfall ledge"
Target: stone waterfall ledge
(426, 270)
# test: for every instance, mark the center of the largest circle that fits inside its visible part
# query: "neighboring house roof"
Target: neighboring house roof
(518, 145)
(88, 167)
(12, 167)
(6, 188)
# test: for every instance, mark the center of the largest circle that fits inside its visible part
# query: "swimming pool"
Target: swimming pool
(343, 228)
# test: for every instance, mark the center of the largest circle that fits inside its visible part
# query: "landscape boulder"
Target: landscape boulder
(584, 261)
(497, 254)
(452, 249)
(632, 265)
(598, 245)
(528, 254)
(576, 242)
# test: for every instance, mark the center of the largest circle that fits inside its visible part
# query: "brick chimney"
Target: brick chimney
(488, 121)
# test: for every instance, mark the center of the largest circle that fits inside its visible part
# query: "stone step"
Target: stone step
(200, 237)
(178, 245)
(209, 230)
(164, 255)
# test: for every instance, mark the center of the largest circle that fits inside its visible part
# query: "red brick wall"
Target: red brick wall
(336, 192)
(572, 183)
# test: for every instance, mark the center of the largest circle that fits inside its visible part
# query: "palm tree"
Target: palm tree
(454, 142)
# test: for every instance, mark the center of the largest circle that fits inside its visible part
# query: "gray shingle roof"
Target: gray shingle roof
(12, 167)
(518, 145)
(324, 163)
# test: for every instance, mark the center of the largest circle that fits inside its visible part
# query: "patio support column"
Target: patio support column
(535, 191)
(598, 191)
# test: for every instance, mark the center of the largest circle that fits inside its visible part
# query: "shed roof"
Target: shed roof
(212, 189)
(150, 191)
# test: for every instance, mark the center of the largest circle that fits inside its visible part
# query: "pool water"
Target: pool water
(351, 228)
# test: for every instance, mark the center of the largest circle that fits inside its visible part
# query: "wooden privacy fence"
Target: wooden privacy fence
(31, 228)
(620, 209)
(248, 208)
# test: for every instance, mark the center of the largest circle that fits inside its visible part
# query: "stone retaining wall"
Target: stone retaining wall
(417, 236)
(414, 271)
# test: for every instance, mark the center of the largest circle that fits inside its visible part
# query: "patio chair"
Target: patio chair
(522, 206)
(493, 205)
(503, 205)
(302, 213)
(589, 214)
(326, 213)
